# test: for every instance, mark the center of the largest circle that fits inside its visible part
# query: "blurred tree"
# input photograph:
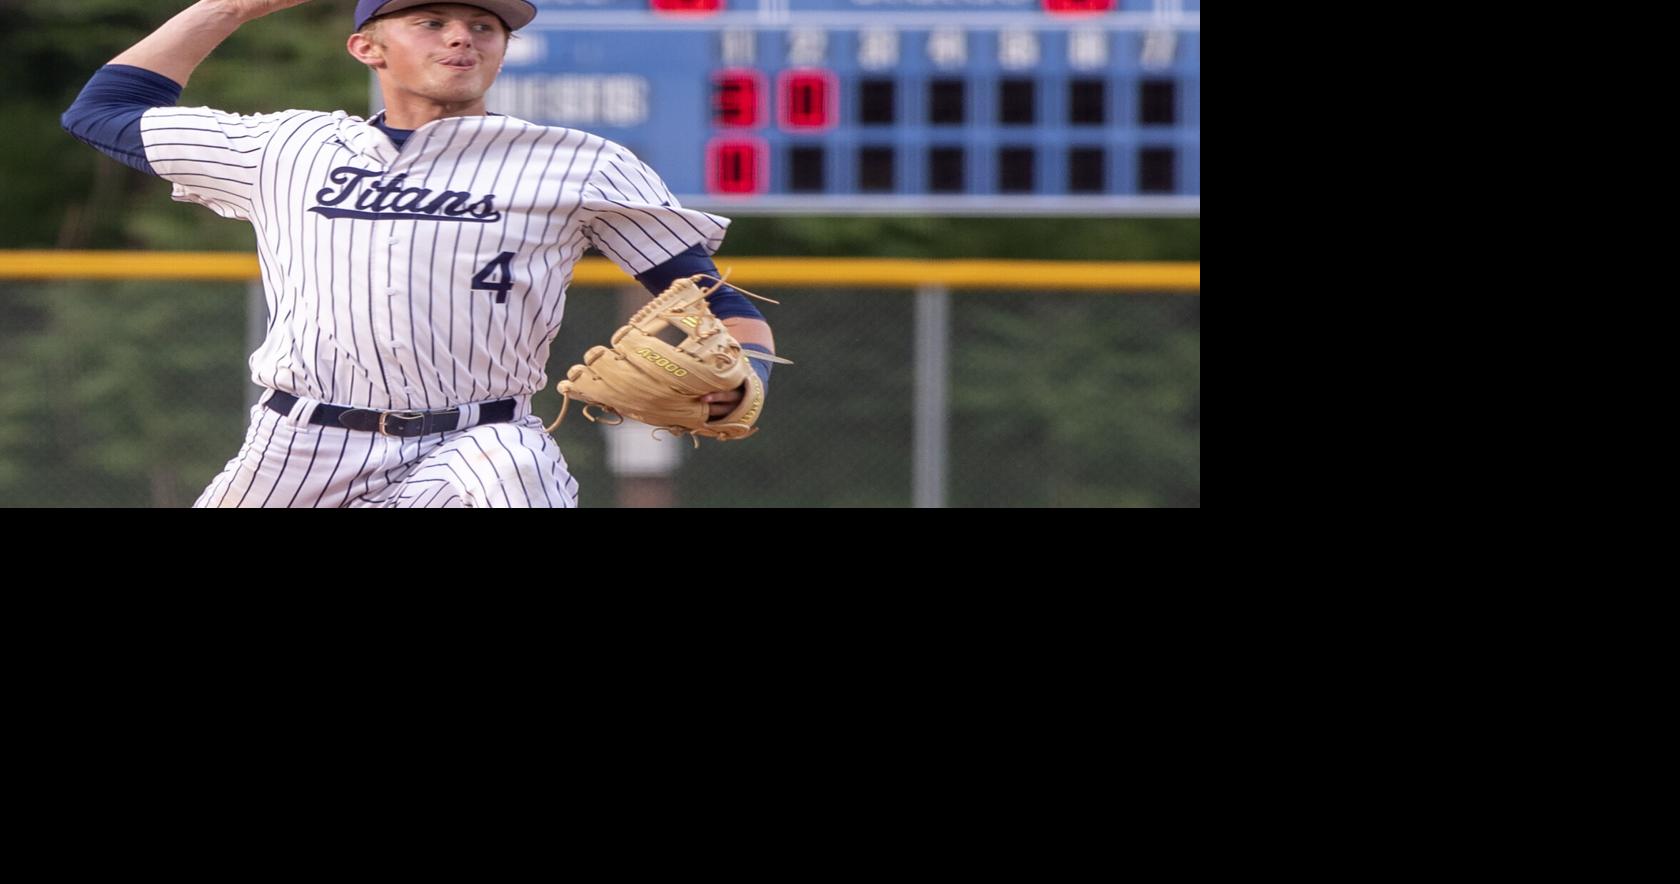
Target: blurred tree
(137, 392)
(59, 193)
(1049, 239)
(127, 395)
(1076, 400)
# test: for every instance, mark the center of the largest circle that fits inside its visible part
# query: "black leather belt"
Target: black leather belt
(394, 423)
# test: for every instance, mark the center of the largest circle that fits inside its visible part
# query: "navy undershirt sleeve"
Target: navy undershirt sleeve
(726, 302)
(107, 113)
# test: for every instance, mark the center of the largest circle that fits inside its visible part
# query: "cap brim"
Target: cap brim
(517, 13)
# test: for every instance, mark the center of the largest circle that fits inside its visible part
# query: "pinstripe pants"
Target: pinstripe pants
(288, 462)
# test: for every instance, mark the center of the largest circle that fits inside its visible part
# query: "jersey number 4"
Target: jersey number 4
(497, 276)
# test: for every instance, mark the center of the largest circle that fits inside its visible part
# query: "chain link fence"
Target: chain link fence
(135, 394)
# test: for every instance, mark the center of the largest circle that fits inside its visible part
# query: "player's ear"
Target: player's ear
(363, 49)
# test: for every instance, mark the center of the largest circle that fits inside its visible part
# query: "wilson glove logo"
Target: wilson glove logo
(675, 369)
(391, 200)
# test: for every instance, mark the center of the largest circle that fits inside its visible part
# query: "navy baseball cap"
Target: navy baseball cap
(516, 13)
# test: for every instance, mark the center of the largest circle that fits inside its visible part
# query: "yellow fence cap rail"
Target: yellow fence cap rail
(899, 273)
(128, 265)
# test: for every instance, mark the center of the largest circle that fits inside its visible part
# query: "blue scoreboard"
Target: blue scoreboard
(881, 106)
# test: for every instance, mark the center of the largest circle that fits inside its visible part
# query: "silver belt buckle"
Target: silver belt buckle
(399, 415)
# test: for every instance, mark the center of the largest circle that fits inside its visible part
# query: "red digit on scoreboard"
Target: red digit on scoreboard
(808, 99)
(737, 98)
(736, 165)
(1076, 7)
(686, 7)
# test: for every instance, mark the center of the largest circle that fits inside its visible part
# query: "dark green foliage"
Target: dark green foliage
(132, 394)
(119, 395)
(61, 194)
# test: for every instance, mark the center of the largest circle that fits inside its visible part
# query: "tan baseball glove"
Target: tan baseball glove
(672, 352)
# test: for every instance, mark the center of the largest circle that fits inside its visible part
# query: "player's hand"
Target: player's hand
(248, 10)
(723, 403)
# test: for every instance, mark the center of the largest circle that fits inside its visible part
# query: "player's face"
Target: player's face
(446, 53)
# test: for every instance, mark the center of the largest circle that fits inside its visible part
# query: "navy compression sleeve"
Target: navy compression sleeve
(107, 113)
(725, 302)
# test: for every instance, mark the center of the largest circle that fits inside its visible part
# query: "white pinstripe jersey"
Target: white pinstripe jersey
(425, 278)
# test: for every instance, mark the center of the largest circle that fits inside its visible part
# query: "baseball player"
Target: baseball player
(415, 264)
